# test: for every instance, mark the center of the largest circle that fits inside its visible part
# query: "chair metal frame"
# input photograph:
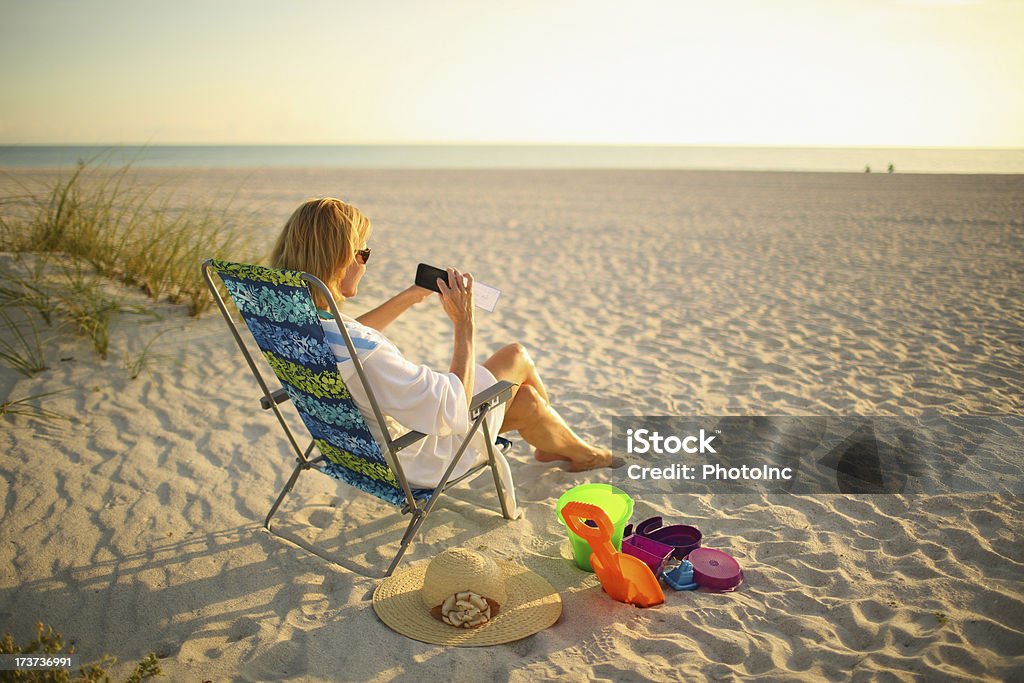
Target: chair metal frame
(481, 404)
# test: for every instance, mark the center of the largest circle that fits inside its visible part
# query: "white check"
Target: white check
(485, 296)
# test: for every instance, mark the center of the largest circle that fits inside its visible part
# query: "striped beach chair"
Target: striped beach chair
(279, 311)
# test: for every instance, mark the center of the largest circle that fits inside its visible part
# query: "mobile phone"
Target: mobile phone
(427, 276)
(484, 296)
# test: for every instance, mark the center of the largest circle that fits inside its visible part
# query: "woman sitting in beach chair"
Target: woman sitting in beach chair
(328, 239)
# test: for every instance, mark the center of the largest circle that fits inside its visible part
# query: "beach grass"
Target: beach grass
(27, 407)
(59, 290)
(22, 292)
(87, 301)
(49, 642)
(87, 230)
(84, 303)
(140, 235)
(21, 349)
(136, 363)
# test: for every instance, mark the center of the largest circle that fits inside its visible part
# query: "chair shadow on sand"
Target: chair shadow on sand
(163, 604)
(226, 583)
(321, 529)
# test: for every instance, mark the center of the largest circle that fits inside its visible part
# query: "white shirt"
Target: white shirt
(415, 397)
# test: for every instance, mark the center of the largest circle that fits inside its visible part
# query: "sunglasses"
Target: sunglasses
(363, 255)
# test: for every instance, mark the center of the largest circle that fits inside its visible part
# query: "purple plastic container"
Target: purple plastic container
(715, 570)
(653, 553)
(681, 537)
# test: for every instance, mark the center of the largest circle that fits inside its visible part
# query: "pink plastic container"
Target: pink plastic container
(653, 553)
(715, 570)
(681, 537)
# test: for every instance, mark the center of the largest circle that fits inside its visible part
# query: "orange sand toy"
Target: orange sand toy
(624, 577)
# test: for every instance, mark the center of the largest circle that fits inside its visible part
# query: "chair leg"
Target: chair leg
(420, 514)
(303, 464)
(284, 492)
(414, 525)
(497, 475)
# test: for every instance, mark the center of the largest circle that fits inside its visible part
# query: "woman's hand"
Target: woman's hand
(457, 298)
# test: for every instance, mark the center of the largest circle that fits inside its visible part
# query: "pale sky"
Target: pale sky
(705, 72)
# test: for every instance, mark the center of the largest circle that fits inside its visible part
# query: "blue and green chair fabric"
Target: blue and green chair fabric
(279, 312)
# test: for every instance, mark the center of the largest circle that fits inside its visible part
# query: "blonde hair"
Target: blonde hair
(321, 238)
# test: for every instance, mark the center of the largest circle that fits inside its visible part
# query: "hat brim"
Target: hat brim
(533, 605)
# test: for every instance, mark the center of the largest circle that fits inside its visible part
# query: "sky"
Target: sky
(933, 73)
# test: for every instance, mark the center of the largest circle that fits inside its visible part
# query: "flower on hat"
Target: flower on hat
(466, 610)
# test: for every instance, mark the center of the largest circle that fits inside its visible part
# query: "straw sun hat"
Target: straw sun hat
(525, 603)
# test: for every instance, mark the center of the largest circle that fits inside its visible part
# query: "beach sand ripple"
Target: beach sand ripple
(137, 527)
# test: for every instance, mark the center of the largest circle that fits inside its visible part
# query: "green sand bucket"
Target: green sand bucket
(616, 504)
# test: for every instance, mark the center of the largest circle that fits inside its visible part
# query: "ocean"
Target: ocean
(813, 159)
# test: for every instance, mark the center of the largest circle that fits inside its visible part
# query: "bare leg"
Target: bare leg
(544, 429)
(532, 415)
(513, 363)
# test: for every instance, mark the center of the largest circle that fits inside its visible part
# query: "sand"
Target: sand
(137, 527)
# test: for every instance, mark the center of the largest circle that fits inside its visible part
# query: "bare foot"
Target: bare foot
(598, 459)
(546, 456)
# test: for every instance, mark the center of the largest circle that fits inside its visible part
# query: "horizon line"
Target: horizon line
(115, 145)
